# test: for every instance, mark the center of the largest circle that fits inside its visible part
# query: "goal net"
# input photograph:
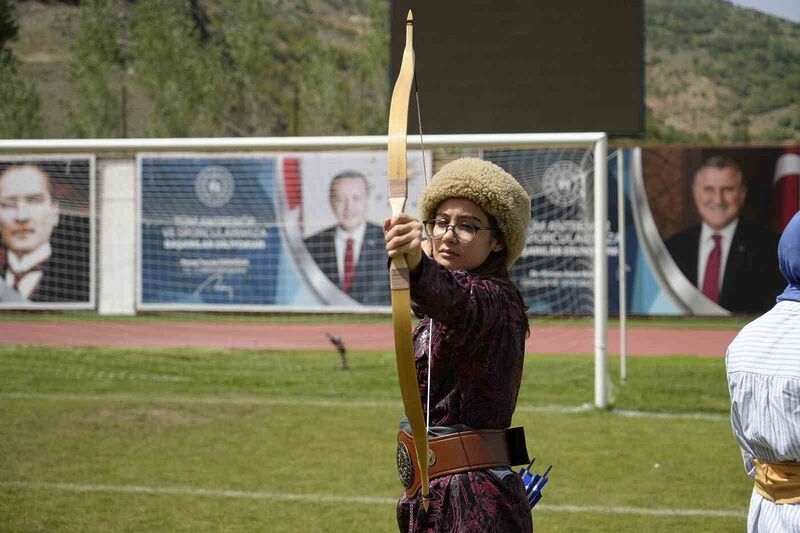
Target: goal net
(302, 230)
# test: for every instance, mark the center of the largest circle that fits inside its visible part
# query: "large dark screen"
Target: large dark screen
(507, 66)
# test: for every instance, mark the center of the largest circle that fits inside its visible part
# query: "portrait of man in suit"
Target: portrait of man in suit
(35, 267)
(731, 260)
(352, 253)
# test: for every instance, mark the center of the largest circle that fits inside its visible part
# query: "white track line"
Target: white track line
(311, 402)
(328, 498)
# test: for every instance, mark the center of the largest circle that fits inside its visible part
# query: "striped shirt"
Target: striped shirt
(763, 364)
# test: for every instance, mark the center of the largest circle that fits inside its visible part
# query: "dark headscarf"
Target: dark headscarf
(789, 259)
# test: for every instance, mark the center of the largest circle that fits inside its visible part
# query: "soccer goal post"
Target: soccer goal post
(230, 224)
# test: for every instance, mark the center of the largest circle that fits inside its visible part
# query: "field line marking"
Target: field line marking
(709, 417)
(602, 509)
(328, 498)
(191, 491)
(312, 402)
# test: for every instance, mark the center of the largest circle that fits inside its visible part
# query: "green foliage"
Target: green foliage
(8, 22)
(320, 67)
(268, 50)
(780, 134)
(19, 102)
(351, 90)
(96, 66)
(659, 132)
(237, 68)
(287, 79)
(751, 54)
(182, 76)
(372, 69)
(741, 130)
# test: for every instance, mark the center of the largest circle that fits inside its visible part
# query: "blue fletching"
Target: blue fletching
(534, 483)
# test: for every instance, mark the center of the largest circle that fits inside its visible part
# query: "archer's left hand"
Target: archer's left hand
(403, 235)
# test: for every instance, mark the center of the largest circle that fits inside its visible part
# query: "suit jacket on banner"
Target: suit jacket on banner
(751, 279)
(370, 283)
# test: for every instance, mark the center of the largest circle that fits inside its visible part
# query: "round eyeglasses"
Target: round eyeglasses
(464, 232)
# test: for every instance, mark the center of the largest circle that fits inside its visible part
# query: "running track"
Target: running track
(652, 341)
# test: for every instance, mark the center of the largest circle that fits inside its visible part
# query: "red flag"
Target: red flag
(291, 181)
(786, 189)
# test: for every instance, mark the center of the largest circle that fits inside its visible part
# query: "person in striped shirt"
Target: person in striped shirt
(763, 368)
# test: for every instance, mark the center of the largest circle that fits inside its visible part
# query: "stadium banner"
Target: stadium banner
(208, 230)
(302, 231)
(323, 199)
(288, 231)
(665, 208)
(47, 231)
(708, 220)
(555, 270)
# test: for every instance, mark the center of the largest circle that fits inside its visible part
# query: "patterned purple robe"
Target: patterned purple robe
(477, 346)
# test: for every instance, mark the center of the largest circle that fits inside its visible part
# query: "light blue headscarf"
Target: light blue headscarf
(789, 259)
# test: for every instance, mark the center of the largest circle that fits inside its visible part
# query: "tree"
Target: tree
(8, 22)
(183, 77)
(260, 68)
(96, 67)
(346, 91)
(19, 101)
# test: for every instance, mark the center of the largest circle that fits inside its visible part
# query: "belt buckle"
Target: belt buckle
(405, 468)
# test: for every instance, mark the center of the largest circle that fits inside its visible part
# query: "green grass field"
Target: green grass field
(214, 440)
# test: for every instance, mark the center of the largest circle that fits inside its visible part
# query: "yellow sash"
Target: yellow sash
(778, 482)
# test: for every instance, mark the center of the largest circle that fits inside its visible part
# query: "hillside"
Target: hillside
(116, 68)
(714, 72)
(722, 72)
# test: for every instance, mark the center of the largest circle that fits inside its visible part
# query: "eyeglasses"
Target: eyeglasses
(464, 232)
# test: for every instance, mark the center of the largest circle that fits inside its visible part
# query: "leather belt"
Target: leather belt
(451, 454)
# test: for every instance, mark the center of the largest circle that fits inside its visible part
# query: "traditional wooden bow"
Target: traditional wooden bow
(398, 272)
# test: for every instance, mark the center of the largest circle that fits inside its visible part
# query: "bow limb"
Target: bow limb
(398, 271)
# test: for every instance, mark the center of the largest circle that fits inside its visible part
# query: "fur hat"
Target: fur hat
(490, 187)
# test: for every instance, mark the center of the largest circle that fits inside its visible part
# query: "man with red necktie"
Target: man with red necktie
(352, 253)
(730, 260)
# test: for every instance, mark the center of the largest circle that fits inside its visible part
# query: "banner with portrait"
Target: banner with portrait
(47, 228)
(709, 220)
(280, 231)
(303, 231)
(333, 206)
(674, 197)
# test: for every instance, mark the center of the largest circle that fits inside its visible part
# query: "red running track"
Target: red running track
(652, 341)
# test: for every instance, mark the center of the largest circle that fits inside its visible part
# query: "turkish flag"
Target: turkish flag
(291, 182)
(785, 189)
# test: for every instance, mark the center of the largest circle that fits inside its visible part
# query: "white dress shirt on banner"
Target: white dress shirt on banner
(27, 265)
(340, 242)
(707, 244)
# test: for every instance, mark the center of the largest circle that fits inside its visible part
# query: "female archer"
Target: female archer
(469, 346)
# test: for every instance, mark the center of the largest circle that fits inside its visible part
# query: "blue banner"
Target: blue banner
(208, 230)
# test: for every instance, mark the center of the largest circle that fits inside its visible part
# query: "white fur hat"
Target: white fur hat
(489, 186)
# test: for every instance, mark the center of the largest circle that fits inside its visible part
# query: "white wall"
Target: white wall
(117, 246)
